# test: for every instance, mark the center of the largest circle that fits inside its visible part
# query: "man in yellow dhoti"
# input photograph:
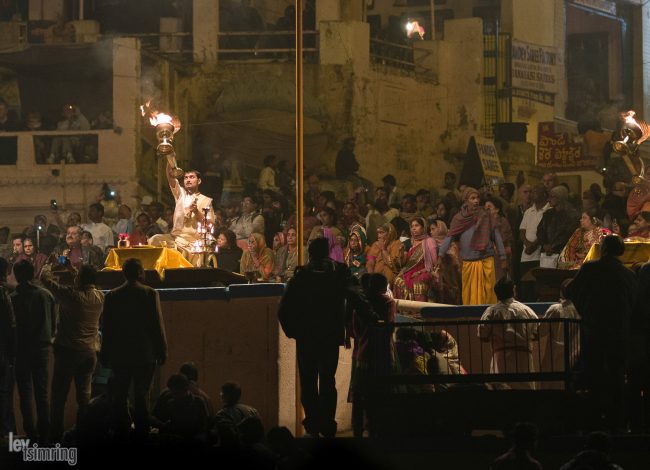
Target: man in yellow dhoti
(187, 215)
(475, 228)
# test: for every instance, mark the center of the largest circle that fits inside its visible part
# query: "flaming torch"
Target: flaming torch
(627, 140)
(166, 126)
(632, 134)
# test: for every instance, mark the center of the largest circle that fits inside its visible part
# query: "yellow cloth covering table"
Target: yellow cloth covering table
(635, 252)
(152, 257)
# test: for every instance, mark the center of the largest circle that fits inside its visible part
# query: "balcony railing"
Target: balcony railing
(242, 45)
(538, 354)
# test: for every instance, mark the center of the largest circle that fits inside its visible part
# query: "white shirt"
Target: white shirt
(102, 234)
(532, 218)
(185, 222)
(508, 335)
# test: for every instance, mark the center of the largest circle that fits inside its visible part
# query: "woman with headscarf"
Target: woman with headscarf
(279, 251)
(450, 279)
(336, 250)
(229, 254)
(355, 252)
(285, 254)
(258, 258)
(418, 278)
(385, 255)
(475, 229)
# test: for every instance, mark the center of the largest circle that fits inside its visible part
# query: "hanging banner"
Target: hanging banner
(534, 72)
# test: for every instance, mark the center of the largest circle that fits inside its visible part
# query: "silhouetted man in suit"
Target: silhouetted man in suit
(133, 343)
(35, 311)
(604, 293)
(313, 311)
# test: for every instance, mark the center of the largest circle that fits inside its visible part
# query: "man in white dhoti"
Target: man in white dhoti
(187, 215)
(512, 348)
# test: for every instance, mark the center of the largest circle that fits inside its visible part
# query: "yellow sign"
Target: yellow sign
(489, 158)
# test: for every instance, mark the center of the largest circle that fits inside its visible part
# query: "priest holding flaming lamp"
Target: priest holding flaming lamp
(193, 212)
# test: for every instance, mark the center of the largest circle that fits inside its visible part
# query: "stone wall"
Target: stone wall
(27, 187)
(405, 123)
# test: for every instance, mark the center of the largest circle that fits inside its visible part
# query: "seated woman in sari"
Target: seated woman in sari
(285, 255)
(385, 255)
(355, 252)
(257, 259)
(576, 249)
(416, 279)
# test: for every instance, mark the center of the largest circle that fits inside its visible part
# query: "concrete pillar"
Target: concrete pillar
(327, 11)
(205, 30)
(353, 10)
(641, 61)
(345, 42)
(126, 96)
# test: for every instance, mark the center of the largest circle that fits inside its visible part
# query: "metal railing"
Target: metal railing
(403, 57)
(392, 54)
(433, 356)
(238, 45)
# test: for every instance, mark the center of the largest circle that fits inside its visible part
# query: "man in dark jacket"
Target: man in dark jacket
(604, 293)
(558, 223)
(313, 311)
(76, 342)
(7, 359)
(133, 343)
(35, 325)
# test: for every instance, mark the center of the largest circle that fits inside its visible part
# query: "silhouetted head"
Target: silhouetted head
(86, 276)
(318, 249)
(230, 393)
(281, 440)
(612, 245)
(377, 283)
(132, 269)
(190, 371)
(504, 288)
(178, 384)
(24, 271)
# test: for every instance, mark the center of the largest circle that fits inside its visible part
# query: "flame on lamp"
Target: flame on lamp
(413, 27)
(166, 126)
(633, 132)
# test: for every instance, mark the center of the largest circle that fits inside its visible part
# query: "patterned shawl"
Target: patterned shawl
(469, 216)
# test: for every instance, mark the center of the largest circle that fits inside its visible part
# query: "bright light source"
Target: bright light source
(413, 27)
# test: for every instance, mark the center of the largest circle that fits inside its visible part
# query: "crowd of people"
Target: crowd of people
(53, 149)
(67, 320)
(448, 244)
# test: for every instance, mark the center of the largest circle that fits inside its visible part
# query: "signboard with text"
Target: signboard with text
(534, 72)
(559, 152)
(482, 165)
